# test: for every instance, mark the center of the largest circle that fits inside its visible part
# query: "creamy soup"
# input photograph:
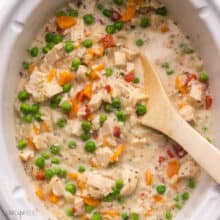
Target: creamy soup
(80, 103)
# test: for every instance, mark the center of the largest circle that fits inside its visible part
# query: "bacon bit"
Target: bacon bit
(51, 75)
(158, 198)
(164, 28)
(129, 12)
(149, 212)
(115, 15)
(31, 68)
(208, 101)
(110, 213)
(65, 22)
(170, 153)
(74, 210)
(44, 127)
(116, 131)
(74, 109)
(117, 154)
(39, 193)
(161, 159)
(108, 41)
(108, 88)
(142, 195)
(179, 151)
(148, 178)
(73, 176)
(100, 21)
(65, 77)
(40, 175)
(46, 29)
(31, 143)
(190, 77)
(53, 198)
(91, 201)
(172, 168)
(129, 77)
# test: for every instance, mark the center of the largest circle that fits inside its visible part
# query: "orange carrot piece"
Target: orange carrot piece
(36, 130)
(94, 76)
(73, 176)
(31, 143)
(148, 178)
(44, 127)
(39, 193)
(65, 77)
(91, 201)
(117, 153)
(65, 22)
(31, 68)
(129, 12)
(87, 91)
(75, 108)
(158, 198)
(182, 88)
(172, 168)
(51, 75)
(111, 213)
(149, 212)
(53, 198)
(164, 28)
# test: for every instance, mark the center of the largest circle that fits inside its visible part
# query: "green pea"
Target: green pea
(21, 144)
(86, 126)
(35, 108)
(139, 42)
(49, 37)
(25, 108)
(170, 71)
(55, 160)
(73, 13)
(107, 12)
(141, 109)
(75, 64)
(85, 136)
(116, 102)
(69, 212)
(118, 25)
(57, 39)
(110, 29)
(59, 172)
(49, 174)
(145, 22)
(66, 107)
(45, 49)
(102, 118)
(67, 87)
(124, 215)
(121, 116)
(119, 183)
(72, 144)
(55, 101)
(107, 107)
(136, 80)
(185, 196)
(88, 208)
(96, 216)
(23, 95)
(161, 189)
(88, 19)
(108, 71)
(54, 149)
(69, 46)
(71, 188)
(134, 216)
(28, 118)
(203, 77)
(118, 2)
(162, 11)
(40, 162)
(81, 169)
(34, 51)
(61, 122)
(168, 215)
(166, 65)
(192, 183)
(61, 13)
(38, 116)
(26, 65)
(87, 43)
(45, 155)
(90, 146)
(178, 205)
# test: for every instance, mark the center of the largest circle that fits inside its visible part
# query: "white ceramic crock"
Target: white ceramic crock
(19, 22)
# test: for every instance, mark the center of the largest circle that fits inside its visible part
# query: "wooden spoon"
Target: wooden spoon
(163, 117)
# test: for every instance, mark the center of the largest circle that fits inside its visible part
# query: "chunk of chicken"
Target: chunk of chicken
(188, 112)
(81, 73)
(120, 58)
(26, 154)
(78, 205)
(196, 91)
(131, 54)
(130, 178)
(103, 156)
(75, 126)
(188, 169)
(57, 186)
(98, 185)
(78, 31)
(130, 67)
(40, 88)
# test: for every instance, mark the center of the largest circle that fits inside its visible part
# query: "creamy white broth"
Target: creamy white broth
(78, 126)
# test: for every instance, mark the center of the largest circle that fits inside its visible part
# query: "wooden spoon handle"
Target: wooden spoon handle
(206, 155)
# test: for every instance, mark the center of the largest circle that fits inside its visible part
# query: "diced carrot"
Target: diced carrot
(51, 75)
(44, 126)
(182, 104)
(31, 68)
(105, 142)
(31, 143)
(129, 12)
(81, 185)
(111, 213)
(99, 52)
(158, 198)
(87, 91)
(149, 212)
(94, 75)
(148, 178)
(53, 198)
(36, 130)
(39, 193)
(91, 201)
(91, 51)
(117, 153)
(65, 22)
(73, 176)
(93, 164)
(74, 109)
(65, 77)
(40, 175)
(84, 217)
(172, 168)
(181, 87)
(164, 28)
(99, 67)
(108, 41)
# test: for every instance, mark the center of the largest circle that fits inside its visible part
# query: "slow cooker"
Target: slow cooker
(20, 20)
